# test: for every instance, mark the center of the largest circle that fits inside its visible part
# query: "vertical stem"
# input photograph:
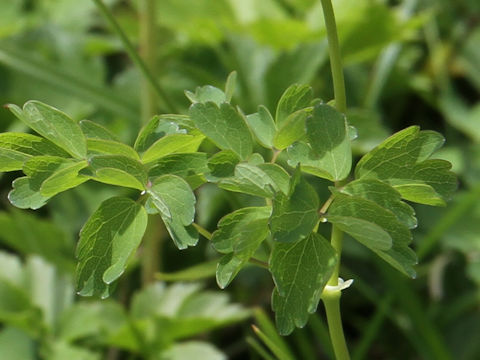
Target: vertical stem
(151, 241)
(146, 15)
(335, 58)
(331, 299)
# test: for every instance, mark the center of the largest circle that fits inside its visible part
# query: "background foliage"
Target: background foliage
(407, 62)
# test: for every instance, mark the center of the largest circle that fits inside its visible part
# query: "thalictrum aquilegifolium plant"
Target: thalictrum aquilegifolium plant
(304, 137)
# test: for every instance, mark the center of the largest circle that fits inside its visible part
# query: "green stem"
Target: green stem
(334, 320)
(331, 298)
(130, 49)
(335, 58)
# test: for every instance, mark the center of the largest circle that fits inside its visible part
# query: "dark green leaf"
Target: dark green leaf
(327, 134)
(176, 202)
(224, 126)
(107, 240)
(295, 98)
(239, 235)
(385, 196)
(399, 255)
(53, 125)
(300, 271)
(16, 148)
(294, 215)
(401, 161)
(263, 126)
(118, 170)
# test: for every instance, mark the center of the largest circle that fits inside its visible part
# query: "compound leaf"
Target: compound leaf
(107, 240)
(300, 271)
(238, 236)
(224, 126)
(54, 125)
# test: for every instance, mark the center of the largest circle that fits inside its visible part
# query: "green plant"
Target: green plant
(306, 136)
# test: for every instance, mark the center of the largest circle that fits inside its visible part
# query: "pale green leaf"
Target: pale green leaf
(301, 153)
(327, 133)
(239, 234)
(173, 143)
(92, 130)
(205, 94)
(110, 147)
(107, 240)
(401, 161)
(224, 126)
(230, 85)
(300, 271)
(16, 148)
(196, 272)
(118, 170)
(263, 127)
(295, 98)
(294, 215)
(24, 196)
(399, 255)
(293, 129)
(54, 125)
(176, 202)
(160, 126)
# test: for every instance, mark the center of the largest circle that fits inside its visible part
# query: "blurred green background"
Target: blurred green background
(406, 62)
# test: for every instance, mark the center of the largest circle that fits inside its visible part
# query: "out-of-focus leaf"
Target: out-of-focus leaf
(192, 349)
(16, 345)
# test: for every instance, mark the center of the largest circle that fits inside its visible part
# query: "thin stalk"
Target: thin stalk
(335, 58)
(331, 299)
(130, 49)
